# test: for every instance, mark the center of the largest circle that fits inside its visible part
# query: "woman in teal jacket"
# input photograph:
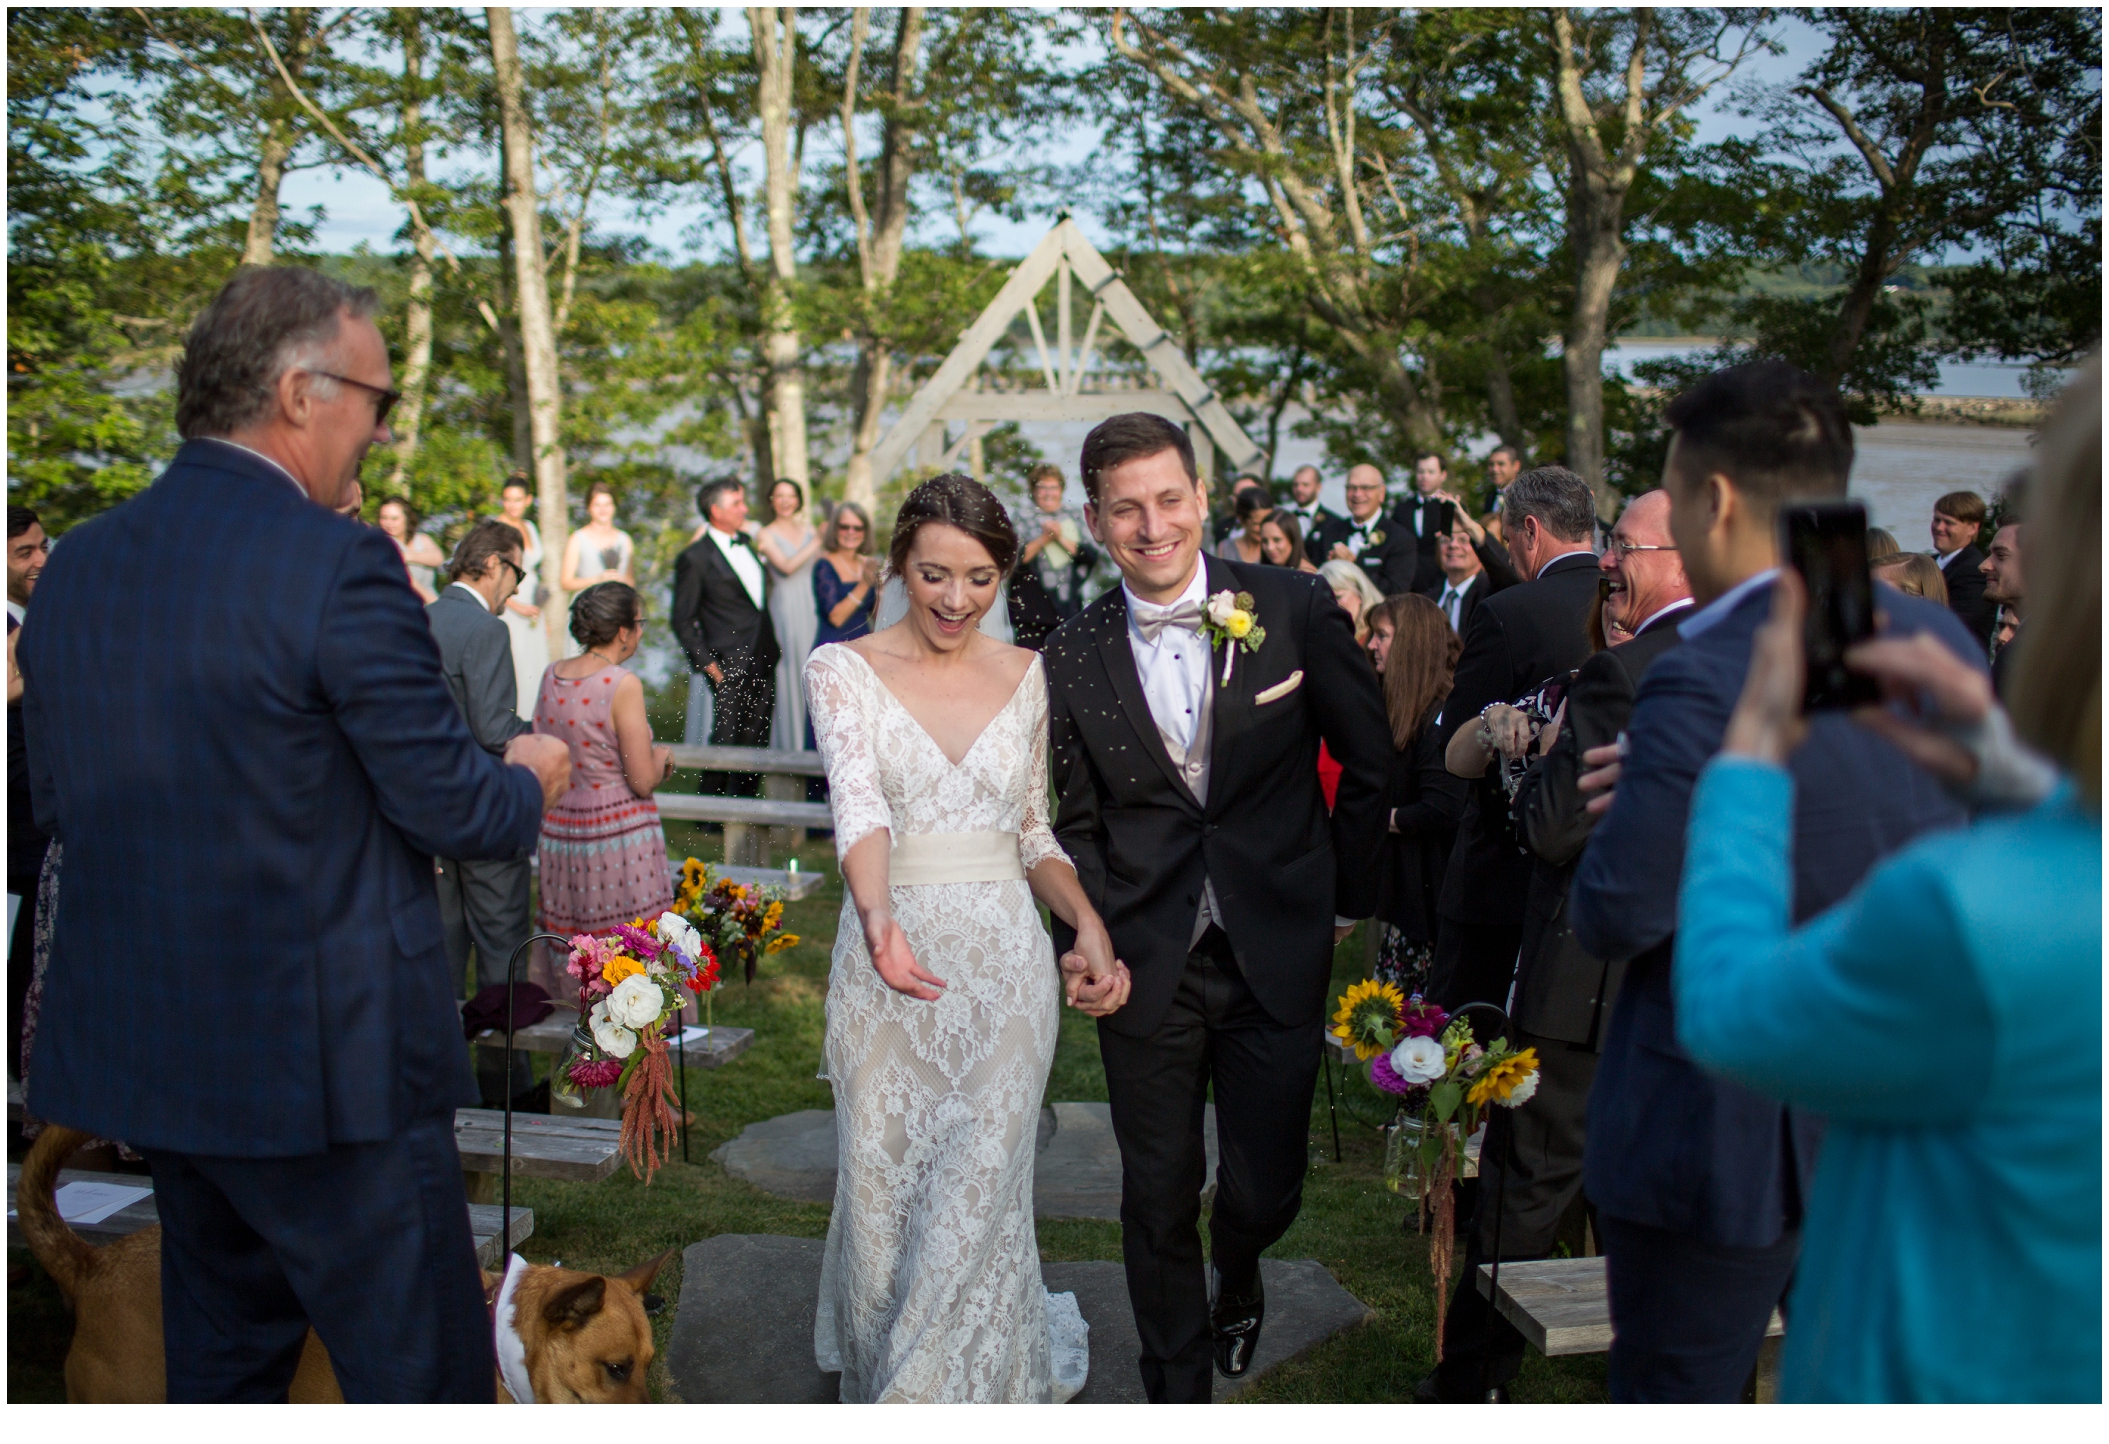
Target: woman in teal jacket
(1946, 1016)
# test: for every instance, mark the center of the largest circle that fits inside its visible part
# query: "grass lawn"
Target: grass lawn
(1349, 1222)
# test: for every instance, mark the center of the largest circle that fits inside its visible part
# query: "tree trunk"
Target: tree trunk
(538, 342)
(1595, 222)
(775, 51)
(270, 173)
(881, 255)
(1859, 301)
(417, 314)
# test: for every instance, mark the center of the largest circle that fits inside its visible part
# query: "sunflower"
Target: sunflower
(1504, 1076)
(1366, 1008)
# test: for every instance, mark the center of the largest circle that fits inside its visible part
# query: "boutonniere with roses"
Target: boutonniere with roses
(1376, 538)
(1232, 620)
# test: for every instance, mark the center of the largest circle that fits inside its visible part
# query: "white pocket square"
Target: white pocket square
(1279, 690)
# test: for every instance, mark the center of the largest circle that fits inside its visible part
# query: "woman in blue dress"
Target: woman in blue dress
(846, 577)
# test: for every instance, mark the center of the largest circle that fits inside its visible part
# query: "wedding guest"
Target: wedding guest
(1355, 593)
(421, 555)
(256, 771)
(789, 543)
(1416, 656)
(1227, 523)
(1366, 537)
(1504, 465)
(1531, 1163)
(1420, 515)
(1059, 551)
(483, 904)
(1881, 546)
(523, 610)
(27, 547)
(599, 551)
(602, 858)
(1252, 507)
(1303, 504)
(1700, 1184)
(1915, 575)
(1945, 1017)
(721, 619)
(1281, 543)
(2004, 588)
(1518, 639)
(1465, 582)
(1957, 518)
(846, 582)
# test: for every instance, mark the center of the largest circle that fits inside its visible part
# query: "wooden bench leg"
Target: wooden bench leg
(783, 787)
(480, 1187)
(746, 845)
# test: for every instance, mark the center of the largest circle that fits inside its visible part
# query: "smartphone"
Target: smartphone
(1827, 543)
(1445, 518)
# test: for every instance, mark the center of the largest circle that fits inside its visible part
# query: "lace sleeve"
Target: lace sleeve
(1036, 840)
(842, 727)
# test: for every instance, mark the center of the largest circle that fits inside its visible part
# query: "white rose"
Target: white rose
(1220, 606)
(1418, 1060)
(676, 933)
(614, 1040)
(1522, 1093)
(636, 1002)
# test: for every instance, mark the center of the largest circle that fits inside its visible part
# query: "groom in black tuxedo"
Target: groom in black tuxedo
(1190, 804)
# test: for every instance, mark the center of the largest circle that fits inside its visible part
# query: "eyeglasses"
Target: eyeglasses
(855, 526)
(384, 400)
(519, 572)
(1620, 548)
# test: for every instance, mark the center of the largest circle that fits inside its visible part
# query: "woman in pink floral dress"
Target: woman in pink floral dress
(603, 855)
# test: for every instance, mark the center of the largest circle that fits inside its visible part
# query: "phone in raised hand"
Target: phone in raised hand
(1826, 542)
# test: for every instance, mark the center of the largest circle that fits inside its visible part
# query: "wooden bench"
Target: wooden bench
(553, 1035)
(782, 804)
(1563, 1306)
(483, 1219)
(576, 1150)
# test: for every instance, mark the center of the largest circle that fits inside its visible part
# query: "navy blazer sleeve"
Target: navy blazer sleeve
(380, 670)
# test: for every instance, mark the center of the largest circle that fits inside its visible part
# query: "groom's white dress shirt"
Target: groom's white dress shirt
(744, 563)
(1173, 670)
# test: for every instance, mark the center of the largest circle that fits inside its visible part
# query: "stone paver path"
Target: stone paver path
(743, 1332)
(1077, 1173)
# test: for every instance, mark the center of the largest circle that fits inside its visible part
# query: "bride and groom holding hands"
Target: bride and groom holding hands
(1197, 885)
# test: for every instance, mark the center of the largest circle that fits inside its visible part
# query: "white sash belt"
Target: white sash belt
(921, 858)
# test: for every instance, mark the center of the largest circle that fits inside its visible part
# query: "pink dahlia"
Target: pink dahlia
(1422, 1020)
(601, 1074)
(1381, 1074)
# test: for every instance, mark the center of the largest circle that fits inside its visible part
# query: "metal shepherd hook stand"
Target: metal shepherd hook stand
(1508, 1140)
(512, 978)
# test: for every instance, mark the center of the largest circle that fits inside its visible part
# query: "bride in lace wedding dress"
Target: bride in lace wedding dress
(943, 1002)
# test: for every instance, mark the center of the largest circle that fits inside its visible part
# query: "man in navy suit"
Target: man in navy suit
(1698, 1183)
(251, 777)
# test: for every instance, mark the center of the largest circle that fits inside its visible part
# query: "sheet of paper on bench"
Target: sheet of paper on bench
(691, 1036)
(91, 1203)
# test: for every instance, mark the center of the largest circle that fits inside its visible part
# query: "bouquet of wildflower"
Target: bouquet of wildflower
(740, 922)
(1444, 1081)
(630, 982)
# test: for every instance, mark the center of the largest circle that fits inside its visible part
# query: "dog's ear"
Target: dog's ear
(640, 1278)
(571, 1308)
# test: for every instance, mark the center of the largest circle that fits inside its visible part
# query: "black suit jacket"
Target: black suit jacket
(476, 657)
(1519, 638)
(1966, 595)
(1496, 574)
(1144, 846)
(1388, 559)
(714, 618)
(1417, 519)
(1561, 991)
(1321, 520)
(26, 841)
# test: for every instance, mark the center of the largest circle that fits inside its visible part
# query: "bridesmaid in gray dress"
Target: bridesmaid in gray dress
(789, 543)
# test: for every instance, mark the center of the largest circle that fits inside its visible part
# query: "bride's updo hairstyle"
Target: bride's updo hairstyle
(956, 500)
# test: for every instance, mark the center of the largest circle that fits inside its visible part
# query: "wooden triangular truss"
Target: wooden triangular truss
(1064, 252)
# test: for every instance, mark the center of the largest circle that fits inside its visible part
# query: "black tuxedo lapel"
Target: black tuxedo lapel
(1231, 710)
(1117, 656)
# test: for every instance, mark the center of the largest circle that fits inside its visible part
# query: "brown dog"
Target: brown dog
(587, 1338)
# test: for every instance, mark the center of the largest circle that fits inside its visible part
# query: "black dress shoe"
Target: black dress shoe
(1429, 1391)
(1235, 1321)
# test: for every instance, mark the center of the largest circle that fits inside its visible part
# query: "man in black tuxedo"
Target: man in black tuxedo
(27, 547)
(1956, 520)
(721, 618)
(1533, 1155)
(1475, 566)
(1303, 504)
(1519, 639)
(1420, 516)
(1187, 774)
(1366, 537)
